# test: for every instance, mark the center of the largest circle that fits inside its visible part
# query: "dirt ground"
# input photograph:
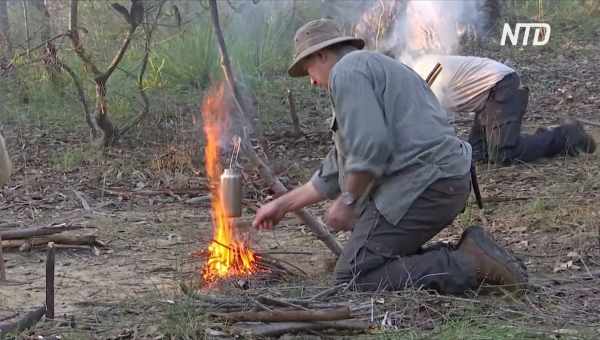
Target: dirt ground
(547, 212)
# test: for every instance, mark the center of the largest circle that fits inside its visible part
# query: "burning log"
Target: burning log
(288, 315)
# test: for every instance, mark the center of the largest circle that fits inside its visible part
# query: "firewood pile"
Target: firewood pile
(263, 313)
(27, 238)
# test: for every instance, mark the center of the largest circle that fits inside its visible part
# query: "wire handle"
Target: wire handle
(237, 142)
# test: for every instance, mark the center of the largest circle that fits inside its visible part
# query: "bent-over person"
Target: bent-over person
(397, 174)
(493, 91)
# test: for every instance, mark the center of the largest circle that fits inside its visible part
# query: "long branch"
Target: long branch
(288, 315)
(140, 80)
(37, 231)
(117, 59)
(76, 41)
(318, 228)
(80, 92)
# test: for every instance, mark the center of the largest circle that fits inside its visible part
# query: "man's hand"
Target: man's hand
(340, 216)
(269, 215)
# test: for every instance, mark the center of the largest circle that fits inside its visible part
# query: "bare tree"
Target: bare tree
(104, 133)
(5, 45)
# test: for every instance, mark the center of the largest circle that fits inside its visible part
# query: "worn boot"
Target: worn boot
(575, 137)
(494, 265)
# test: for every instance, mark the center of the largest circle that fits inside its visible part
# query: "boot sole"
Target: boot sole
(489, 247)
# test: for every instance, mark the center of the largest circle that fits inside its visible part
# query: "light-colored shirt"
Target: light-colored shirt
(464, 83)
(387, 122)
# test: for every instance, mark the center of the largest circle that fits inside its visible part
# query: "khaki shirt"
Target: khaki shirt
(464, 83)
(387, 122)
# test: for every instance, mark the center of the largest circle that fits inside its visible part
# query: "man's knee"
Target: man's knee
(359, 268)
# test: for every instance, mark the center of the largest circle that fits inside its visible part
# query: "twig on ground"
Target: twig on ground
(281, 303)
(287, 315)
(8, 225)
(82, 199)
(275, 329)
(58, 239)
(328, 292)
(37, 231)
(588, 122)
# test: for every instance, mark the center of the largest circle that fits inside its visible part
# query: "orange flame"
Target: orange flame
(228, 256)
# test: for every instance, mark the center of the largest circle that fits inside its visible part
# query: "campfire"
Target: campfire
(227, 256)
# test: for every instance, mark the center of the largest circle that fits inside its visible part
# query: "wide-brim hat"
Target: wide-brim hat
(314, 36)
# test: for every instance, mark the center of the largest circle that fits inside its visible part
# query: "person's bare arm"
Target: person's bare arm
(271, 213)
(357, 183)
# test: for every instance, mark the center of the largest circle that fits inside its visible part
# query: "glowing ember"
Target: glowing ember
(227, 255)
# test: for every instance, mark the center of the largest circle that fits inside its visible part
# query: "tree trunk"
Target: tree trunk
(26, 20)
(45, 30)
(5, 45)
(49, 57)
(102, 118)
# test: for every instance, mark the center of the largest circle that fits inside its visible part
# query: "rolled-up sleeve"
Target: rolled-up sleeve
(325, 179)
(367, 146)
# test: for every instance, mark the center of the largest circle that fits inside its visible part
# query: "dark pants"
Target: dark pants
(386, 256)
(496, 132)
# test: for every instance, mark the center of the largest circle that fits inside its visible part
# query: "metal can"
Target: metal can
(231, 192)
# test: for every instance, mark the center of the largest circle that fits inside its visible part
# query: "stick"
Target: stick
(37, 231)
(327, 292)
(293, 113)
(8, 225)
(84, 203)
(275, 329)
(318, 228)
(2, 266)
(433, 74)
(74, 240)
(28, 321)
(50, 281)
(281, 303)
(588, 122)
(287, 315)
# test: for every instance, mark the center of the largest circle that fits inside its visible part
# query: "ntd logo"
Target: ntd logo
(541, 34)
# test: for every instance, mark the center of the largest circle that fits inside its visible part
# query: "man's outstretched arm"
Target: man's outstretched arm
(271, 213)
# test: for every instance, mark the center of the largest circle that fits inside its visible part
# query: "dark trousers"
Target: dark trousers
(386, 256)
(496, 132)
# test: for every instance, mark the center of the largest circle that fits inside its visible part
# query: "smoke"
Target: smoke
(409, 28)
(434, 27)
